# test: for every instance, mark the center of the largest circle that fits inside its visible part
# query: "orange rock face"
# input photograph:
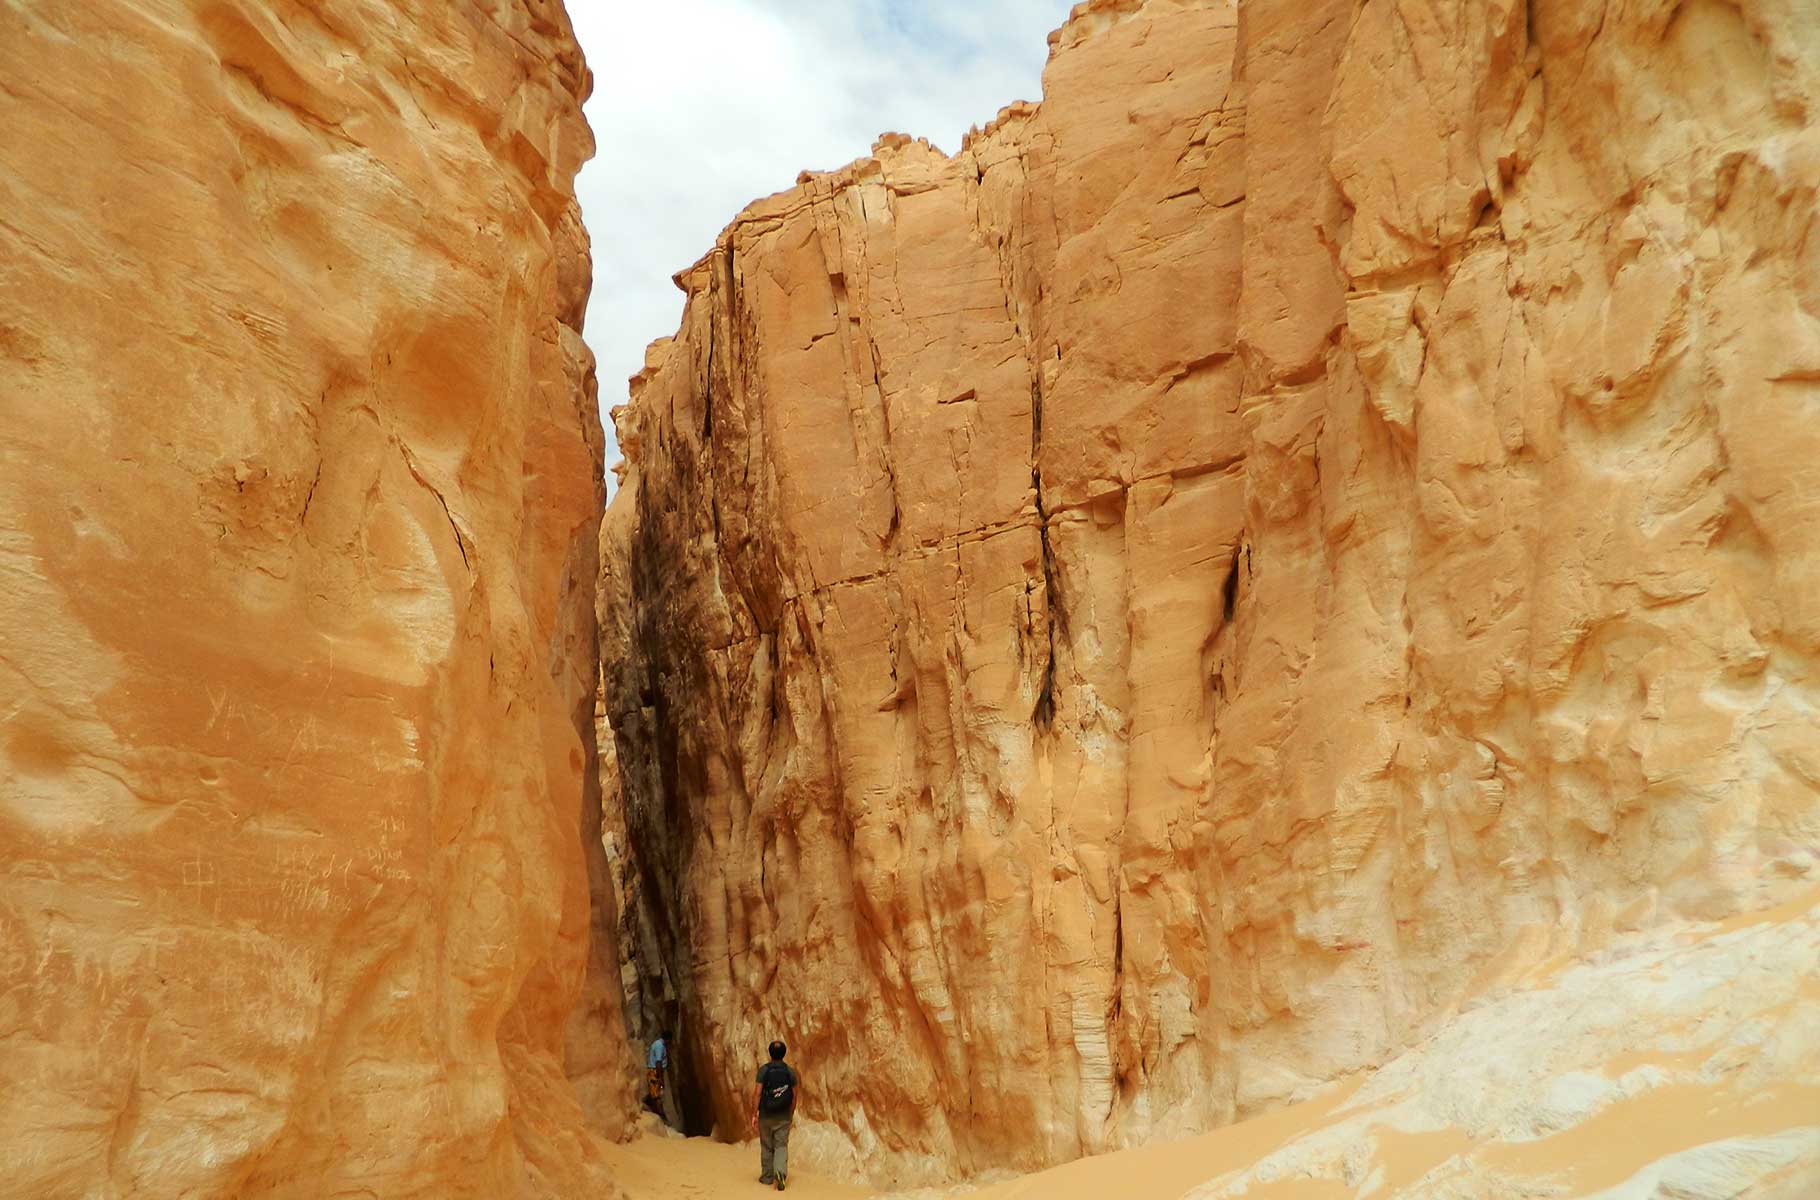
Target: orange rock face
(298, 477)
(1112, 629)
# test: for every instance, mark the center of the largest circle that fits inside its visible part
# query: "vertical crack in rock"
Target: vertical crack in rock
(1043, 715)
(442, 502)
(1229, 590)
(885, 454)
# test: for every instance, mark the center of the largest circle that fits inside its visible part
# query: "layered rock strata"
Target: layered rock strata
(299, 473)
(1147, 615)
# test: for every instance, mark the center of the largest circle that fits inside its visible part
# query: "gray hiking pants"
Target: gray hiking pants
(773, 1146)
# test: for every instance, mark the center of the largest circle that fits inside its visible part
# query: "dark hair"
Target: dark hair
(665, 1035)
(777, 1052)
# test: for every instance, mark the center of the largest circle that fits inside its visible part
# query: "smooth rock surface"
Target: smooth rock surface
(299, 471)
(1135, 621)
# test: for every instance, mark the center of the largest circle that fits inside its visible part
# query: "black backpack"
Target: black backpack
(776, 1090)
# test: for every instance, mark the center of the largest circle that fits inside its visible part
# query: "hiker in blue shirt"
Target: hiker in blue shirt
(657, 1067)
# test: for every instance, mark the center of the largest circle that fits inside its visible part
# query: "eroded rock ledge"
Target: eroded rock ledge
(1112, 629)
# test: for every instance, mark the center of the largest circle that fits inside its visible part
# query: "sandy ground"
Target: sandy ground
(676, 1168)
(673, 1168)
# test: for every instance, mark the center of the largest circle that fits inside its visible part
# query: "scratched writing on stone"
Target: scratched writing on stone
(311, 881)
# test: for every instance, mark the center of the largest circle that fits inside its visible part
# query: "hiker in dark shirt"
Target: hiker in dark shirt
(773, 1104)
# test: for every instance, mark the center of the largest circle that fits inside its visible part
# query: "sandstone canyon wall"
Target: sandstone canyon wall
(299, 477)
(1112, 629)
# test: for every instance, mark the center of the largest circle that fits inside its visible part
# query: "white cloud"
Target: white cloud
(702, 106)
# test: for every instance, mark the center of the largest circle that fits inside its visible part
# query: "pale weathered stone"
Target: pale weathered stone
(299, 467)
(1137, 620)
(1682, 1063)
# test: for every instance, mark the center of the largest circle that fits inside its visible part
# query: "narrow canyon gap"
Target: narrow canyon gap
(1113, 629)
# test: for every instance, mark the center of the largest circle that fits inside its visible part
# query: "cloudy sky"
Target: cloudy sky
(702, 106)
